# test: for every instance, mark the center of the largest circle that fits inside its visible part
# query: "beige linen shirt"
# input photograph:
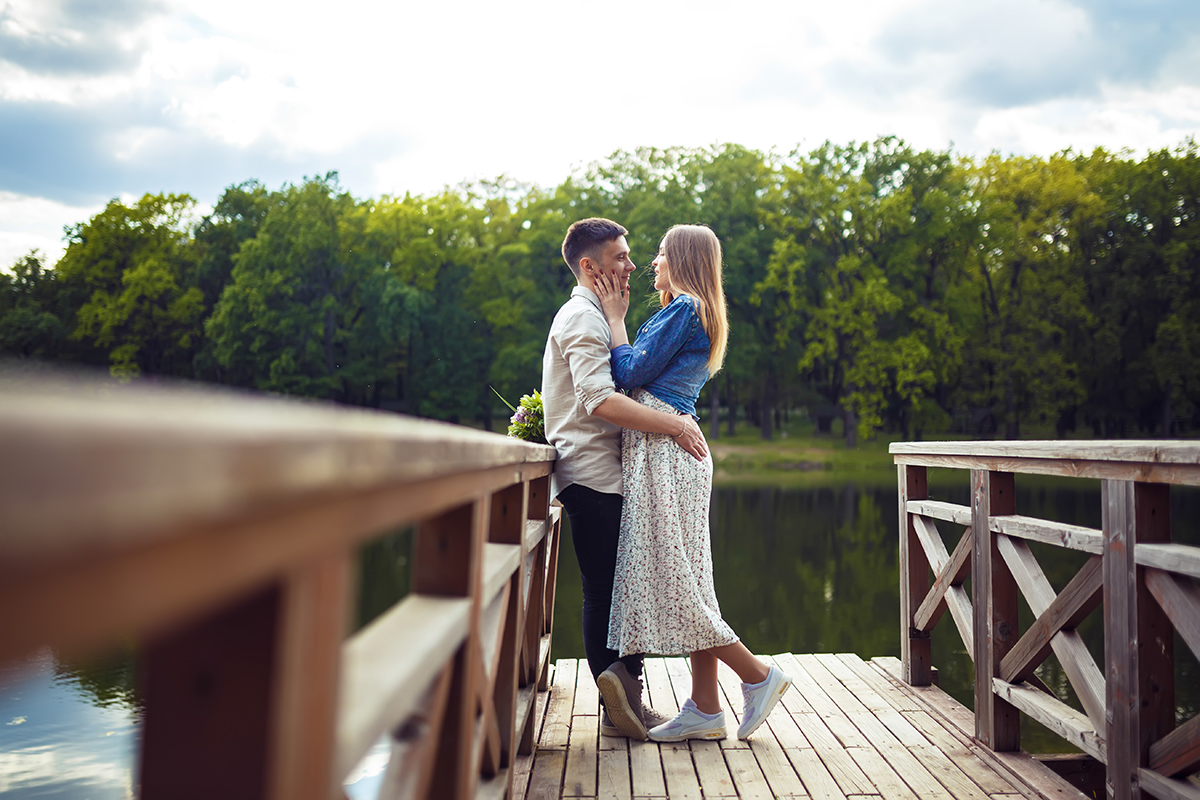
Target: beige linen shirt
(576, 379)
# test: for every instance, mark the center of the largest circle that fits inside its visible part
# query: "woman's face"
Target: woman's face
(662, 278)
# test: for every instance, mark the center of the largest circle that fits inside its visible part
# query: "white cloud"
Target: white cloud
(412, 97)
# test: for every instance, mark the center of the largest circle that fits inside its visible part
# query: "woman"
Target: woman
(663, 596)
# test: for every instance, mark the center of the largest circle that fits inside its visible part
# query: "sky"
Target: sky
(103, 99)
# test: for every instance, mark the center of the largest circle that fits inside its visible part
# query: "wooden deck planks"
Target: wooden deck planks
(848, 731)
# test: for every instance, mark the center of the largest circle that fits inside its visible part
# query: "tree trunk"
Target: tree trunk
(731, 405)
(1166, 416)
(850, 426)
(768, 408)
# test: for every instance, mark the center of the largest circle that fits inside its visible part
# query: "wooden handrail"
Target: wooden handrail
(1129, 724)
(220, 531)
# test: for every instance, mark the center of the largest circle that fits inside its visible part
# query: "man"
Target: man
(584, 415)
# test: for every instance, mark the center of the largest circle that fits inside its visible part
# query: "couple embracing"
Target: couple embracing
(635, 477)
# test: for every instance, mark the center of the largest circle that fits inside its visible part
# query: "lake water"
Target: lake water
(802, 570)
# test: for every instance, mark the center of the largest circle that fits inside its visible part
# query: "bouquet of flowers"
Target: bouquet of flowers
(527, 421)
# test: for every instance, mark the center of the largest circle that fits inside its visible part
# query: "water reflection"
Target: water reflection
(66, 731)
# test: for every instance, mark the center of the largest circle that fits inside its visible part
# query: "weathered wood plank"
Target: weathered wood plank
(1027, 776)
(776, 767)
(1060, 534)
(885, 779)
(587, 696)
(579, 780)
(545, 780)
(818, 780)
(890, 693)
(646, 770)
(614, 781)
(1167, 788)
(914, 577)
(1078, 599)
(1123, 451)
(142, 460)
(1178, 753)
(711, 769)
(963, 755)
(1181, 558)
(1179, 598)
(826, 709)
(836, 759)
(880, 736)
(1144, 461)
(952, 574)
(785, 730)
(1072, 652)
(947, 512)
(996, 626)
(1055, 715)
(902, 699)
(679, 771)
(747, 775)
(658, 686)
(556, 730)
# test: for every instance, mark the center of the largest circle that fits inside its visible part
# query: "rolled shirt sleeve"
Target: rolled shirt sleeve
(585, 348)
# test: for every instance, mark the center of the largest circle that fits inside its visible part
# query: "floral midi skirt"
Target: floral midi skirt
(663, 596)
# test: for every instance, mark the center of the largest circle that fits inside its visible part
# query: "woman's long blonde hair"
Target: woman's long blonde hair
(694, 268)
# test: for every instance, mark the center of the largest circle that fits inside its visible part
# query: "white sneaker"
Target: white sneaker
(760, 698)
(690, 723)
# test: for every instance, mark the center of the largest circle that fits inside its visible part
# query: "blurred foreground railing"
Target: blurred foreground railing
(221, 533)
(1145, 584)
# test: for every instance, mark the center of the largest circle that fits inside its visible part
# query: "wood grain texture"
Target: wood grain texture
(1056, 715)
(1166, 788)
(915, 647)
(1178, 753)
(141, 460)
(996, 628)
(1181, 558)
(937, 509)
(1081, 670)
(1072, 537)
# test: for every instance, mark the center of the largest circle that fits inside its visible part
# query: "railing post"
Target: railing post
(997, 722)
(1139, 639)
(915, 650)
(448, 560)
(510, 508)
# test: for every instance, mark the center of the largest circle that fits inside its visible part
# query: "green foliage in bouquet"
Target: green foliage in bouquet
(527, 421)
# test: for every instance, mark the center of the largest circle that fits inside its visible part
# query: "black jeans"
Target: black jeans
(595, 527)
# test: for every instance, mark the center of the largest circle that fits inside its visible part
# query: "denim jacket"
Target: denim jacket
(669, 358)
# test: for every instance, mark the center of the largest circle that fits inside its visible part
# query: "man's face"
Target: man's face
(614, 260)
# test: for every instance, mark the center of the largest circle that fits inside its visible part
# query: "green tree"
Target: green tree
(1020, 359)
(125, 269)
(286, 321)
(29, 326)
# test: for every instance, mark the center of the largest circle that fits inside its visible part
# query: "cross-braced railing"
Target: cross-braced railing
(1145, 583)
(221, 533)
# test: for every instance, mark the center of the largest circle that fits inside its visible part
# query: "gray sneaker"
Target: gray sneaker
(606, 725)
(622, 695)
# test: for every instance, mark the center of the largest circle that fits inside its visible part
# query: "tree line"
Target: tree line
(896, 289)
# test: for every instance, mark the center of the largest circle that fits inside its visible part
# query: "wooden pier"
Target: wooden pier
(849, 729)
(222, 532)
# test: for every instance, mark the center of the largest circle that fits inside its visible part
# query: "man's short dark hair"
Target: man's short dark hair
(585, 236)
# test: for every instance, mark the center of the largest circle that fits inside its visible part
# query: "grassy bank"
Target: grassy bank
(798, 456)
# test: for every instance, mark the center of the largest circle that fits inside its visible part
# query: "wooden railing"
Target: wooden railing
(1145, 583)
(221, 534)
